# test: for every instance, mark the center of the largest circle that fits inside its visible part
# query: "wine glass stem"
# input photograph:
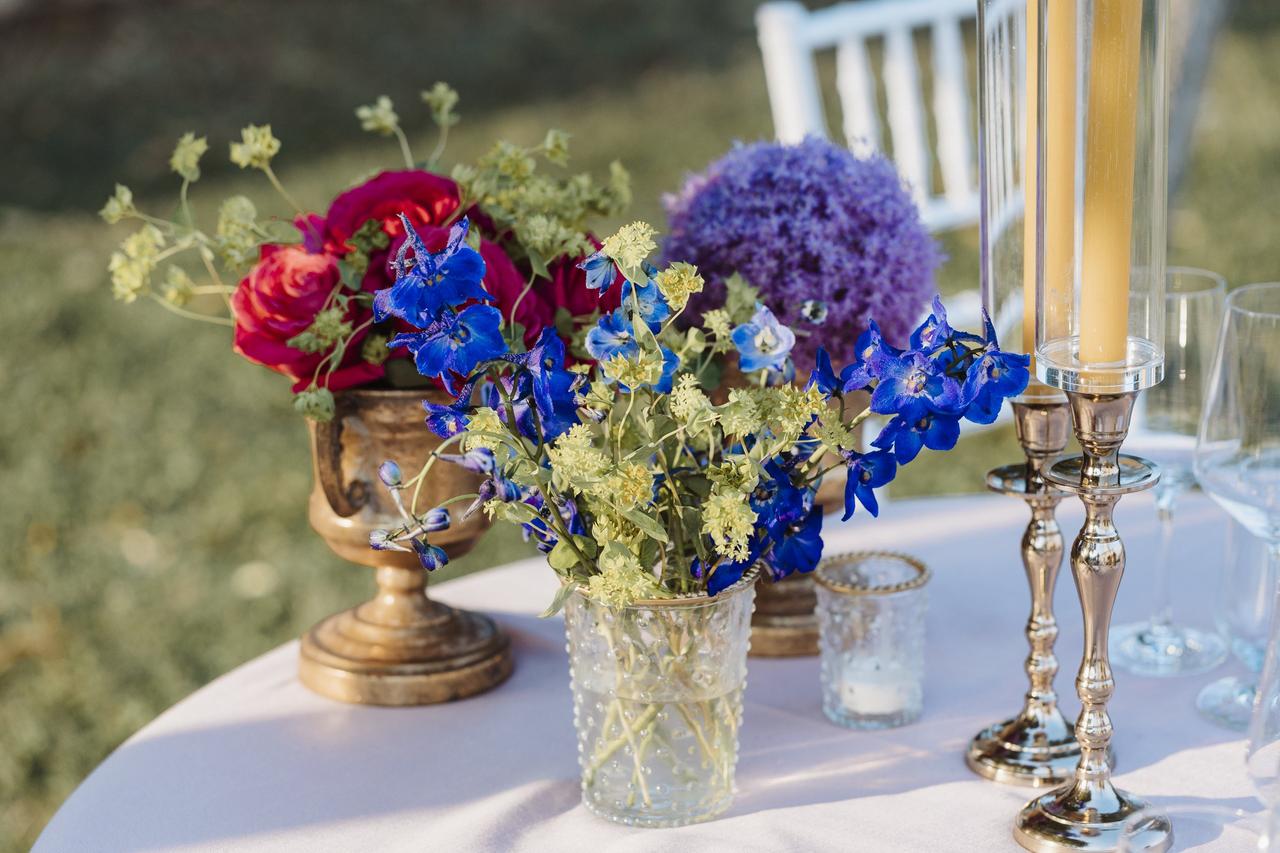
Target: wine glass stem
(1162, 613)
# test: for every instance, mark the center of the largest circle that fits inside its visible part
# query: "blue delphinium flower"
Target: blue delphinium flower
(763, 342)
(867, 472)
(798, 546)
(601, 272)
(725, 575)
(931, 430)
(911, 385)
(870, 352)
(935, 332)
(994, 376)
(455, 343)
(431, 282)
(552, 384)
(646, 299)
(611, 336)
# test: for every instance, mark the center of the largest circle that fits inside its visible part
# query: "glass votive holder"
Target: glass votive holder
(871, 609)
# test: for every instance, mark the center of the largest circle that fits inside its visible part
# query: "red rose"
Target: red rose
(279, 299)
(425, 198)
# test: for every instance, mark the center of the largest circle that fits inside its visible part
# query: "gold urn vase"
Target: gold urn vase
(400, 647)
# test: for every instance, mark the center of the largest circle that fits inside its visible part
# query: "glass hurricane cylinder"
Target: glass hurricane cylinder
(657, 702)
(1101, 147)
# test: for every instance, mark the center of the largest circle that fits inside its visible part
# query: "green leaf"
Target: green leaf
(513, 334)
(562, 596)
(562, 557)
(587, 546)
(538, 264)
(647, 524)
(741, 299)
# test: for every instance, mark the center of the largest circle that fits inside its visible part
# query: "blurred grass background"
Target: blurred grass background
(153, 486)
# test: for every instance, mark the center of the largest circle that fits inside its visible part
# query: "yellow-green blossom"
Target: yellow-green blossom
(131, 265)
(185, 159)
(118, 206)
(678, 282)
(576, 462)
(511, 161)
(690, 407)
(178, 286)
(483, 420)
(256, 147)
(555, 147)
(315, 403)
(736, 473)
(720, 326)
(379, 117)
(788, 409)
(237, 231)
(644, 369)
(374, 349)
(546, 236)
(729, 521)
(441, 99)
(630, 245)
(328, 327)
(834, 435)
(622, 581)
(741, 415)
(628, 485)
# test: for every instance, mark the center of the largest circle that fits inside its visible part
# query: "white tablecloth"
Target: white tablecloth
(254, 762)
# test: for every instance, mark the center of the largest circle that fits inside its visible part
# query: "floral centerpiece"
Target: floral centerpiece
(298, 292)
(654, 505)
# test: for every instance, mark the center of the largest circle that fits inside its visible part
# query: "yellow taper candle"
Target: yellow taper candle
(1110, 154)
(1029, 176)
(1060, 160)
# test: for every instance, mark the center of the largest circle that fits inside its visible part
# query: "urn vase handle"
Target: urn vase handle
(345, 499)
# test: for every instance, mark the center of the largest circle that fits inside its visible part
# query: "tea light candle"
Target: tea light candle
(870, 689)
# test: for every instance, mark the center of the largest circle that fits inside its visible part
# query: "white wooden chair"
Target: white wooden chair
(939, 166)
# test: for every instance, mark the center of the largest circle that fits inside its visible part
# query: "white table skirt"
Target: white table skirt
(254, 762)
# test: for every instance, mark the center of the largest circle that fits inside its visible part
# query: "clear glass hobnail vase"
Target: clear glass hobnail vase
(657, 702)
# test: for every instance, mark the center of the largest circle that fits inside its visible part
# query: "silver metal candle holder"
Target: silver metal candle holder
(1088, 812)
(1037, 747)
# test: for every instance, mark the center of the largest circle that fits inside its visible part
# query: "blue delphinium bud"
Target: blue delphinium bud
(380, 540)
(436, 520)
(389, 474)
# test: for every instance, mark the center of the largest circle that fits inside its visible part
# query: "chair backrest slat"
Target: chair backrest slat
(951, 109)
(856, 85)
(907, 126)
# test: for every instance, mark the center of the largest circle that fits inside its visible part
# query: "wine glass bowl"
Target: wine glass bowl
(1165, 431)
(1237, 462)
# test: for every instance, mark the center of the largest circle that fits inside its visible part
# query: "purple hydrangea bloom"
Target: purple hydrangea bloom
(808, 222)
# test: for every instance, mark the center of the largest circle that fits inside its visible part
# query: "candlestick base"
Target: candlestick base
(1084, 818)
(1025, 751)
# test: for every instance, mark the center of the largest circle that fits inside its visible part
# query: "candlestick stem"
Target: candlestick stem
(1088, 812)
(1037, 746)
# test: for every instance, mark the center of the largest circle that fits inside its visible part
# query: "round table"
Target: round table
(254, 762)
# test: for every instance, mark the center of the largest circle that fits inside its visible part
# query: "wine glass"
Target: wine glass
(1166, 430)
(1243, 614)
(1237, 461)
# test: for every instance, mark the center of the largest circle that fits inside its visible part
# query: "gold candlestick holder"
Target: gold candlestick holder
(1088, 812)
(1037, 746)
